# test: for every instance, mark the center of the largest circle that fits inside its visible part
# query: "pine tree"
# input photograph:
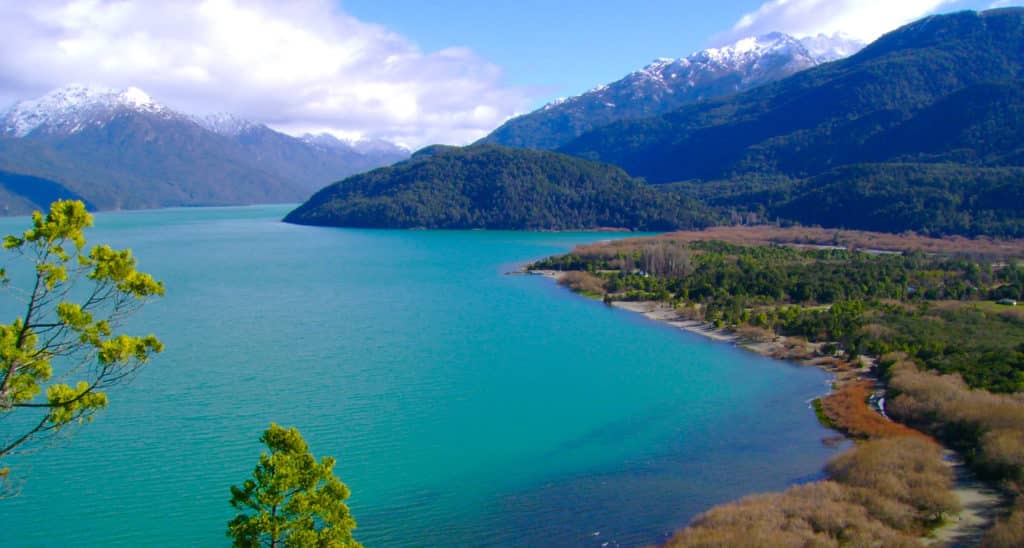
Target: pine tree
(58, 357)
(291, 500)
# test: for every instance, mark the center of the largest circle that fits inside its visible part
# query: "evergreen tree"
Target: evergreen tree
(291, 500)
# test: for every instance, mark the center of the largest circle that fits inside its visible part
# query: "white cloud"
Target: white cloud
(863, 19)
(298, 65)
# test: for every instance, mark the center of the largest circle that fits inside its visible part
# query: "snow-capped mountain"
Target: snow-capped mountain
(121, 149)
(668, 83)
(70, 109)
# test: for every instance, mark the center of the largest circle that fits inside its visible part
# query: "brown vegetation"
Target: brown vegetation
(987, 427)
(908, 470)
(755, 334)
(1009, 531)
(848, 411)
(582, 282)
(795, 348)
(853, 239)
(883, 493)
(665, 259)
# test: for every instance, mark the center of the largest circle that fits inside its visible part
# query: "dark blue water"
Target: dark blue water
(465, 407)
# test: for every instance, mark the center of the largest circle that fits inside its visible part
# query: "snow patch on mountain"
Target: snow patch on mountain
(361, 145)
(226, 124)
(825, 48)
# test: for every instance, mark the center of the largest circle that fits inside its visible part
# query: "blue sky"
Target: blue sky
(561, 47)
(569, 46)
(413, 72)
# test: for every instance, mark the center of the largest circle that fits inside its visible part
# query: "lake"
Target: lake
(465, 407)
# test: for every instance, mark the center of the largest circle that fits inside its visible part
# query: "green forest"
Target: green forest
(494, 187)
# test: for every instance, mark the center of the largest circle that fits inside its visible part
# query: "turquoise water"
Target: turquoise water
(465, 407)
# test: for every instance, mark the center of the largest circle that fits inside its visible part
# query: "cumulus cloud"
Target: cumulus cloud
(302, 65)
(862, 19)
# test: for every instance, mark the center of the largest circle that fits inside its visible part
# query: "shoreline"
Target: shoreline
(661, 312)
(981, 503)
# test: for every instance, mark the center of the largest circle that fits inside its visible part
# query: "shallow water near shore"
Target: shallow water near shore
(465, 407)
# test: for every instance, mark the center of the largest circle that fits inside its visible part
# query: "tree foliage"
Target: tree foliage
(291, 500)
(60, 355)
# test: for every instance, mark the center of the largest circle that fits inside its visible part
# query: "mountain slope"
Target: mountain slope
(23, 194)
(493, 187)
(668, 84)
(855, 110)
(122, 150)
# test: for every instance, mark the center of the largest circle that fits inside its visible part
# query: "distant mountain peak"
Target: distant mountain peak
(668, 83)
(362, 145)
(70, 108)
(227, 124)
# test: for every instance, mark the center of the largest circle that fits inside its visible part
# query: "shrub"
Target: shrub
(1009, 531)
(908, 470)
(988, 428)
(583, 282)
(882, 493)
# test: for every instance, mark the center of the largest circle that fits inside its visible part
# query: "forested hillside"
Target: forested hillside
(488, 186)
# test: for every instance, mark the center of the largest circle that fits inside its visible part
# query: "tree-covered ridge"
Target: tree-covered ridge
(931, 199)
(935, 308)
(850, 111)
(493, 187)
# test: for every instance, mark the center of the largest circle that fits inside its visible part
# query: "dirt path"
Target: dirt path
(981, 504)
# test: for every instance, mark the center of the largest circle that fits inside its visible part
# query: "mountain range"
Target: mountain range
(920, 130)
(120, 149)
(668, 84)
(898, 99)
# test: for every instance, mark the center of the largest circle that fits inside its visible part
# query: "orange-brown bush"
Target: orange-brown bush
(908, 470)
(582, 282)
(848, 411)
(989, 427)
(817, 514)
(883, 493)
